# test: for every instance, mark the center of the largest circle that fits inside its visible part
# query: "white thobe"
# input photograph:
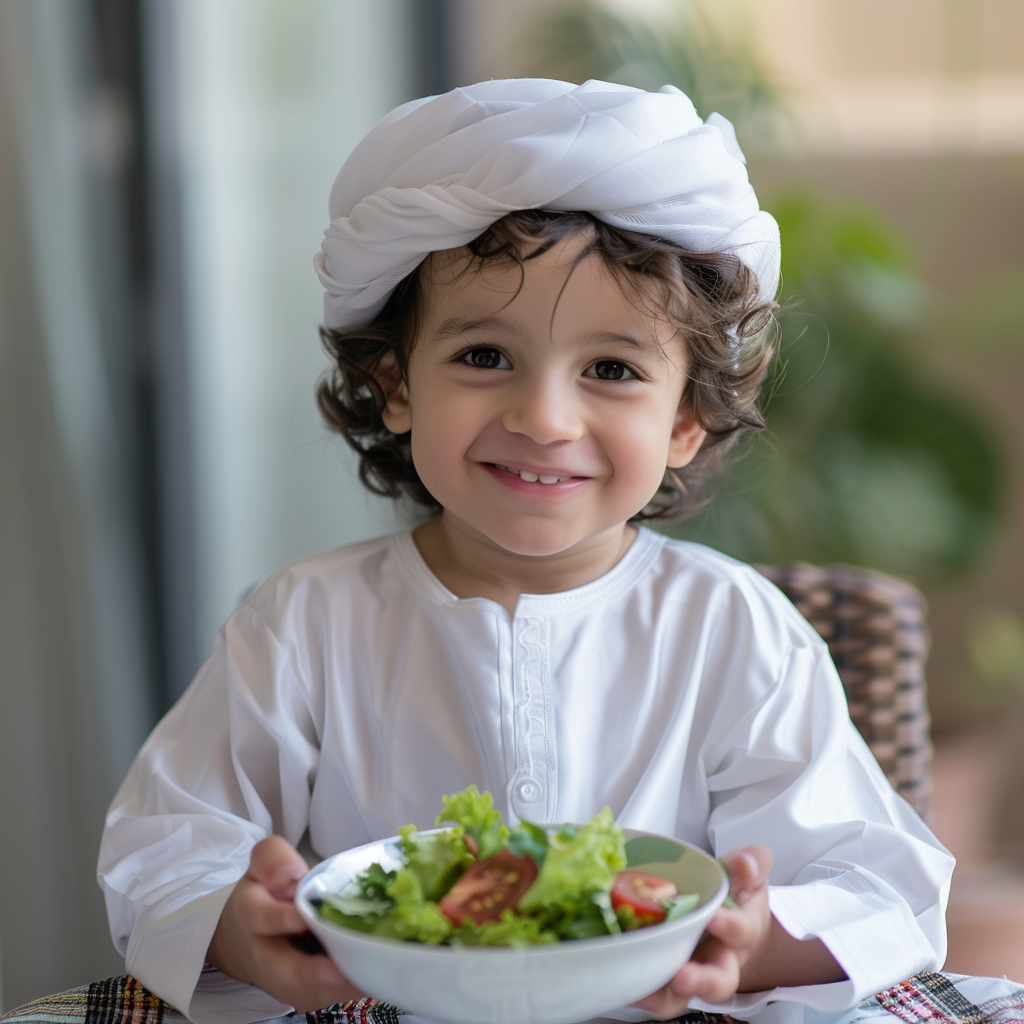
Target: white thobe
(352, 690)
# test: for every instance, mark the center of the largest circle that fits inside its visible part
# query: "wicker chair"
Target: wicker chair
(875, 628)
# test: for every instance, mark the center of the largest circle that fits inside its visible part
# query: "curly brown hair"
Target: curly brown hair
(711, 298)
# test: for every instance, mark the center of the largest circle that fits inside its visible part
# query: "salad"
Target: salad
(479, 883)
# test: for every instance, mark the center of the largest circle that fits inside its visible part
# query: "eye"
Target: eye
(485, 359)
(608, 369)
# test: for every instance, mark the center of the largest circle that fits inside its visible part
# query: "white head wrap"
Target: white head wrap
(435, 173)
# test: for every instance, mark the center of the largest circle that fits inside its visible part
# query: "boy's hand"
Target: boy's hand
(744, 949)
(252, 944)
(732, 937)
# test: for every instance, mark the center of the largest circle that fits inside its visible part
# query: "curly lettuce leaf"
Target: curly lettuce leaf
(583, 920)
(353, 911)
(512, 930)
(372, 883)
(570, 898)
(412, 916)
(602, 899)
(576, 867)
(475, 812)
(436, 860)
(529, 840)
(580, 917)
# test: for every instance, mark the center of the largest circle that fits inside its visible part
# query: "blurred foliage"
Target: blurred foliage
(995, 640)
(990, 316)
(719, 72)
(866, 460)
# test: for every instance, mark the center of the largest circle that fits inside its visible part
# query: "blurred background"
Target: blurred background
(164, 169)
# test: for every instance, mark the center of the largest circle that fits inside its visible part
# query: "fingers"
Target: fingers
(663, 1004)
(278, 866)
(735, 928)
(306, 982)
(261, 913)
(712, 975)
(749, 867)
(252, 943)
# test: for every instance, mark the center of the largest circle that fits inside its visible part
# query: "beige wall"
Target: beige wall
(876, 76)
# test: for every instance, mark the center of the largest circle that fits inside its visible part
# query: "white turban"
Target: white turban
(435, 173)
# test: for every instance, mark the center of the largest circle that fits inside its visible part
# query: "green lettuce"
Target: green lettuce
(512, 930)
(681, 905)
(412, 916)
(570, 898)
(529, 840)
(436, 860)
(372, 883)
(475, 812)
(578, 864)
(353, 911)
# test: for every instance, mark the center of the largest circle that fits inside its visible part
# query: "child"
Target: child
(547, 307)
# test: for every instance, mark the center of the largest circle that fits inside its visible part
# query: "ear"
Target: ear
(397, 413)
(686, 438)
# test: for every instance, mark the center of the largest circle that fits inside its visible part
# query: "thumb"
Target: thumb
(748, 867)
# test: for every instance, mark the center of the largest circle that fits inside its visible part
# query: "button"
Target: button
(528, 791)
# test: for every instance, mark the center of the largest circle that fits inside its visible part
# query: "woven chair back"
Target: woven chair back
(876, 630)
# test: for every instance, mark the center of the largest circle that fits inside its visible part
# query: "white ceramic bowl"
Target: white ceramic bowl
(550, 984)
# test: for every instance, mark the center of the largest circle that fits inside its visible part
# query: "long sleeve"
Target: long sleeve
(352, 690)
(854, 865)
(231, 763)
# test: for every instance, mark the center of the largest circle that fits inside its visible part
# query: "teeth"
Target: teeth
(532, 478)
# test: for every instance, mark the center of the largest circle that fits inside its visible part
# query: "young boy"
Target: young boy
(547, 308)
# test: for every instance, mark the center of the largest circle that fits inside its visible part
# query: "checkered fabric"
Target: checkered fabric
(924, 999)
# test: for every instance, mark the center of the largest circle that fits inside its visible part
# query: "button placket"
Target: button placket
(532, 788)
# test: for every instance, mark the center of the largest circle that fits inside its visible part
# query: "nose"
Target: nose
(543, 409)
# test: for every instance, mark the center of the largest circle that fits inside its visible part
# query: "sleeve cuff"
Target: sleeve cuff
(871, 933)
(865, 924)
(167, 952)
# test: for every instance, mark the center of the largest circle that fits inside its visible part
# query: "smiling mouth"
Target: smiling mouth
(533, 478)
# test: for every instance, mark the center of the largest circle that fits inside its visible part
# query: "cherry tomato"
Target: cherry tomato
(645, 894)
(488, 887)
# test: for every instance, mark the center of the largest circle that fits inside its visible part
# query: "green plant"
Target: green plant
(718, 71)
(866, 460)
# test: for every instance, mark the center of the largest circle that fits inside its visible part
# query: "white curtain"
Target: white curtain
(75, 692)
(268, 97)
(272, 97)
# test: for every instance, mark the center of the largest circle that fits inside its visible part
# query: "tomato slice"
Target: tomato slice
(488, 887)
(644, 894)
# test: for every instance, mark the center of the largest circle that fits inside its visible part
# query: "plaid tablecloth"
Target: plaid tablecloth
(924, 999)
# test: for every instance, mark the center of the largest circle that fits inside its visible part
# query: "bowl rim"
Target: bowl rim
(638, 935)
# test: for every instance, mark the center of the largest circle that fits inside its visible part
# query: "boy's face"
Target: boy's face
(578, 387)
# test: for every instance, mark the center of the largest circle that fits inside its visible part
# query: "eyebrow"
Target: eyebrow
(641, 343)
(462, 325)
(456, 325)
